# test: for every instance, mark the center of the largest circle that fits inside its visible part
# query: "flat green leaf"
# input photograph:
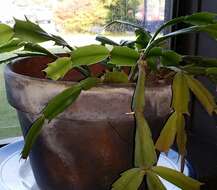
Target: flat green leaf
(153, 181)
(170, 58)
(177, 178)
(152, 57)
(115, 77)
(195, 70)
(142, 38)
(202, 94)
(88, 83)
(201, 18)
(61, 101)
(211, 30)
(152, 63)
(30, 32)
(37, 48)
(124, 56)
(58, 68)
(145, 155)
(29, 54)
(6, 33)
(11, 45)
(129, 180)
(32, 135)
(168, 133)
(181, 94)
(104, 40)
(199, 61)
(54, 107)
(60, 41)
(88, 55)
(155, 52)
(128, 43)
(211, 71)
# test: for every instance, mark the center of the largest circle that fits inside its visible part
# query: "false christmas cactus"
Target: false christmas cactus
(127, 62)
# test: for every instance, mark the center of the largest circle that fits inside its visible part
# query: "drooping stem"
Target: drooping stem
(145, 155)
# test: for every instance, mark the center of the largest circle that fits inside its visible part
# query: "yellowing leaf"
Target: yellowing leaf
(202, 94)
(58, 68)
(181, 95)
(153, 182)
(177, 178)
(145, 155)
(168, 133)
(129, 180)
(181, 138)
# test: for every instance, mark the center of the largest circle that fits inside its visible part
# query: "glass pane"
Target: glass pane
(77, 21)
(9, 126)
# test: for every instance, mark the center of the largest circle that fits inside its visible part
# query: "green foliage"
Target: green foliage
(154, 182)
(80, 16)
(6, 33)
(89, 55)
(202, 94)
(168, 133)
(58, 68)
(104, 40)
(170, 58)
(124, 56)
(145, 155)
(201, 18)
(37, 48)
(11, 45)
(32, 135)
(115, 77)
(177, 178)
(142, 38)
(55, 106)
(141, 56)
(31, 32)
(181, 94)
(129, 180)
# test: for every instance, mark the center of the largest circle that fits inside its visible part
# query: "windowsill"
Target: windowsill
(6, 141)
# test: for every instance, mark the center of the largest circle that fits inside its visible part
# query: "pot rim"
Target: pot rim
(8, 70)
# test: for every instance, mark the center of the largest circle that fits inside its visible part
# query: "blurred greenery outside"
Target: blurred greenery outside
(90, 16)
(9, 125)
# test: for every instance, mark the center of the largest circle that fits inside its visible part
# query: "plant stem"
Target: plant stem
(145, 155)
(169, 23)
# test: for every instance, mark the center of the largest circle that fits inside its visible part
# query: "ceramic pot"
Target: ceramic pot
(88, 145)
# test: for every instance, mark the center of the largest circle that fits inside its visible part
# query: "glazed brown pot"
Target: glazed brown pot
(89, 144)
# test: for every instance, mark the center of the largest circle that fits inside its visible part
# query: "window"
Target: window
(78, 21)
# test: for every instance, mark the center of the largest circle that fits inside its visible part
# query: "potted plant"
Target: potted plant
(83, 134)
